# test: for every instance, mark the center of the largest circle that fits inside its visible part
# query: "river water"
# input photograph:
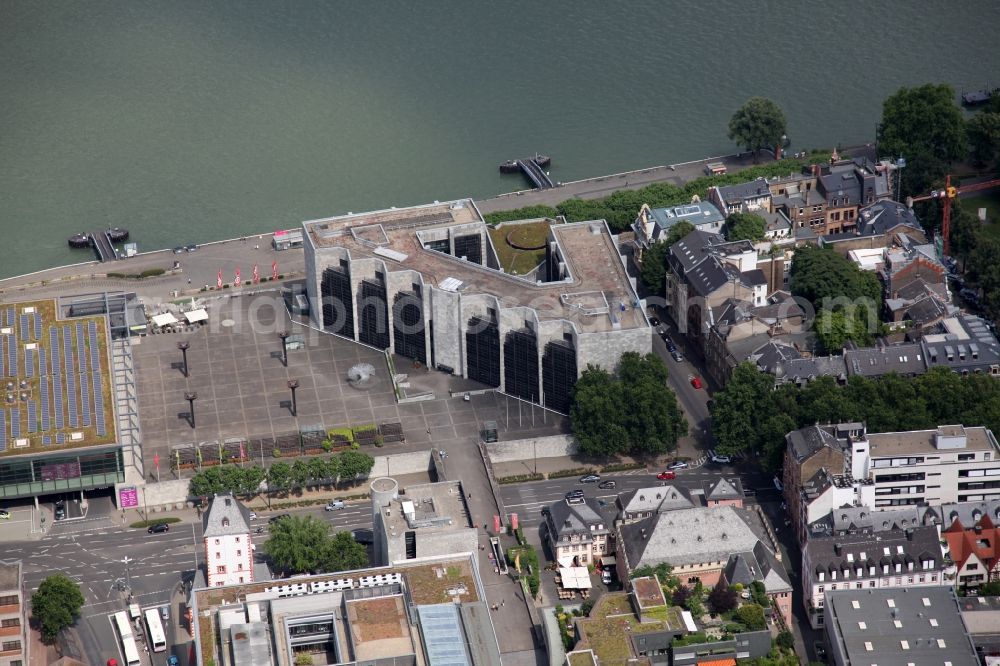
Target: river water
(189, 121)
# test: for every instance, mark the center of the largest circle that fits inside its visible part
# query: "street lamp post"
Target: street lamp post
(284, 347)
(191, 396)
(183, 346)
(294, 384)
(128, 579)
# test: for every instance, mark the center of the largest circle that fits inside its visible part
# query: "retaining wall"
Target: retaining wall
(554, 446)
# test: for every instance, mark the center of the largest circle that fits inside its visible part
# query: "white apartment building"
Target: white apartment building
(896, 558)
(228, 548)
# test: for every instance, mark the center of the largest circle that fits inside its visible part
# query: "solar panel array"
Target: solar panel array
(69, 380)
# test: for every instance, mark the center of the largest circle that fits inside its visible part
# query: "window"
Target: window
(216, 542)
(240, 567)
(962, 457)
(971, 566)
(11, 645)
(237, 539)
(218, 556)
(11, 622)
(9, 600)
(220, 569)
(241, 579)
(820, 589)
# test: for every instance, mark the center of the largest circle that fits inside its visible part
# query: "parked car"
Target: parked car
(158, 528)
(677, 464)
(666, 476)
(60, 511)
(172, 661)
(820, 650)
(363, 536)
(191, 248)
(653, 321)
(677, 356)
(574, 493)
(179, 249)
(606, 576)
(576, 499)
(4, 514)
(590, 478)
(165, 613)
(607, 485)
(720, 459)
(280, 516)
(112, 662)
(252, 515)
(778, 485)
(334, 505)
(695, 382)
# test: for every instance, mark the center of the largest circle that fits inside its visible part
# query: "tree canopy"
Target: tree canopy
(984, 139)
(827, 279)
(925, 125)
(631, 413)
(722, 598)
(833, 328)
(751, 616)
(303, 544)
(56, 605)
(654, 267)
(280, 476)
(745, 226)
(757, 124)
(750, 414)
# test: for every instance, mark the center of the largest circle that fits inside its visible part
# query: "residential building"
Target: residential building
(425, 283)
(975, 550)
(696, 542)
(827, 467)
(761, 564)
(981, 616)
(743, 198)
(892, 559)
(579, 533)
(13, 616)
(897, 627)
(962, 342)
(424, 520)
(877, 226)
(428, 611)
(653, 225)
(645, 502)
(228, 547)
(724, 492)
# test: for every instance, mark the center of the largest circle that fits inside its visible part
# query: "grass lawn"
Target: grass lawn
(531, 234)
(991, 202)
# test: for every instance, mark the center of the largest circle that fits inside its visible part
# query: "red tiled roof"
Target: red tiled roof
(718, 662)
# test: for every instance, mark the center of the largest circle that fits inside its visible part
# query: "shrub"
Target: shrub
(520, 478)
(622, 467)
(751, 616)
(759, 593)
(143, 524)
(276, 453)
(577, 471)
(786, 640)
(152, 272)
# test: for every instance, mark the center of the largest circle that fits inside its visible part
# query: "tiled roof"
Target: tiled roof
(225, 516)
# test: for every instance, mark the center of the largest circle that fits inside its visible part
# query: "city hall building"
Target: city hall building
(426, 283)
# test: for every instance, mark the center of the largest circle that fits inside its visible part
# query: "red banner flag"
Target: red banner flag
(218, 279)
(238, 281)
(274, 270)
(243, 452)
(156, 460)
(256, 274)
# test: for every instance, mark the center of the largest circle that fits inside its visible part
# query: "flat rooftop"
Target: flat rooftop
(922, 441)
(56, 376)
(594, 264)
(379, 628)
(429, 507)
(10, 576)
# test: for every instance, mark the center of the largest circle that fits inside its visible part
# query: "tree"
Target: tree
(279, 476)
(300, 474)
(834, 328)
(926, 126)
(653, 420)
(828, 280)
(751, 616)
(303, 544)
(759, 593)
(984, 139)
(722, 598)
(965, 231)
(678, 231)
(757, 124)
(354, 465)
(681, 596)
(56, 605)
(745, 226)
(990, 589)
(654, 267)
(739, 408)
(596, 413)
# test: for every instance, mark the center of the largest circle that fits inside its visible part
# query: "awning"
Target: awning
(194, 316)
(575, 578)
(718, 662)
(566, 561)
(689, 621)
(608, 561)
(165, 319)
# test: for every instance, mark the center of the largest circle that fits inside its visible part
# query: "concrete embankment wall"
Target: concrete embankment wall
(555, 446)
(172, 494)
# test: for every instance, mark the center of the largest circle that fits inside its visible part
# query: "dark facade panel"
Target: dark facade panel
(482, 351)
(408, 326)
(335, 293)
(520, 358)
(470, 247)
(373, 312)
(559, 375)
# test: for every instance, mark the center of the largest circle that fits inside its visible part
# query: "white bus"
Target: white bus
(124, 629)
(157, 639)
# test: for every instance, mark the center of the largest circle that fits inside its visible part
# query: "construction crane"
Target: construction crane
(947, 194)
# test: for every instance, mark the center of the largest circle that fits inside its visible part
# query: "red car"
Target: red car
(695, 382)
(112, 662)
(666, 476)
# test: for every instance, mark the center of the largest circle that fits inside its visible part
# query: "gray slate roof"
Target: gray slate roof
(883, 216)
(724, 489)
(847, 552)
(744, 191)
(568, 519)
(758, 564)
(904, 359)
(807, 441)
(656, 499)
(225, 516)
(689, 536)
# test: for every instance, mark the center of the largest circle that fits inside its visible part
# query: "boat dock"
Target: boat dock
(102, 241)
(977, 97)
(102, 246)
(532, 168)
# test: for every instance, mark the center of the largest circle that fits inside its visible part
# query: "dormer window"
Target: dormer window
(225, 522)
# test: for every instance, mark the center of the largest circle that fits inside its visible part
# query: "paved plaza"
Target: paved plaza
(235, 367)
